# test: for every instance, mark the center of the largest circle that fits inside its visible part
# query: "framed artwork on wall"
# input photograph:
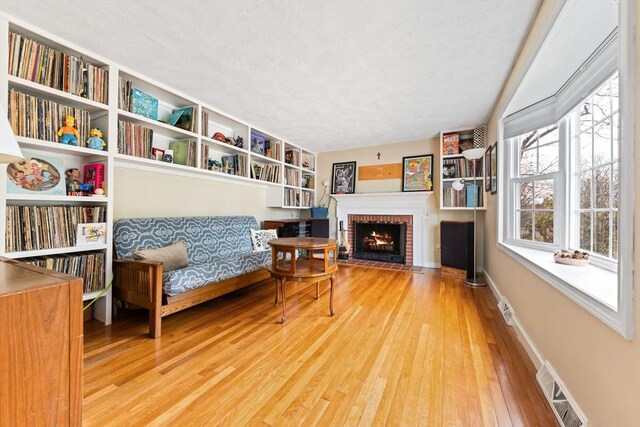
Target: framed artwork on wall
(494, 168)
(343, 178)
(417, 173)
(487, 169)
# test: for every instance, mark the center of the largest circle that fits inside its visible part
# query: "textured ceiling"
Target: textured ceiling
(324, 75)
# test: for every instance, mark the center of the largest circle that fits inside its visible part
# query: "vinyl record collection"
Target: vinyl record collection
(234, 164)
(291, 197)
(460, 168)
(205, 124)
(307, 197)
(124, 94)
(38, 63)
(89, 266)
(47, 227)
(292, 177)
(265, 172)
(38, 118)
(134, 140)
(463, 198)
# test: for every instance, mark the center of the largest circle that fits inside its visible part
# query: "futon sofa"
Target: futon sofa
(220, 256)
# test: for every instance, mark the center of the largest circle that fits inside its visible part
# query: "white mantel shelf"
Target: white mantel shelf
(417, 195)
(392, 203)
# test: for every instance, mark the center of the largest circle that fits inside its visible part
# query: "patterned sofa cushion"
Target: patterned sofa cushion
(205, 237)
(216, 269)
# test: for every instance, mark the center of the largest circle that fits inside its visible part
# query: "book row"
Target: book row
(41, 64)
(291, 177)
(460, 168)
(134, 140)
(291, 197)
(134, 100)
(47, 227)
(265, 172)
(462, 199)
(307, 199)
(89, 266)
(37, 118)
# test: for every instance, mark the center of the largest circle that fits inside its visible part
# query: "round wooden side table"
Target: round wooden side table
(289, 264)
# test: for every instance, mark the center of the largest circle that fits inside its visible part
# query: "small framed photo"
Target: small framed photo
(487, 169)
(91, 233)
(257, 143)
(343, 178)
(417, 173)
(494, 168)
(157, 153)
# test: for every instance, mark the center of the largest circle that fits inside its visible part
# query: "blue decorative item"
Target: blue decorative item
(96, 142)
(319, 212)
(144, 104)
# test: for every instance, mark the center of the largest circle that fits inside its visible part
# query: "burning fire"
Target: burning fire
(374, 240)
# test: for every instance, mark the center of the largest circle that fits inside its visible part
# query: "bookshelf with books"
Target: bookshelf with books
(454, 166)
(46, 81)
(99, 93)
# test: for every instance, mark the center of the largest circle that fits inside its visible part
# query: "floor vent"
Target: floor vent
(506, 311)
(565, 408)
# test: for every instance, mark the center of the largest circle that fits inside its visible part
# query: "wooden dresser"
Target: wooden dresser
(40, 346)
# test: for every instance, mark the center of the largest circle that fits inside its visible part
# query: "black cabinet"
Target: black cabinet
(296, 227)
(456, 245)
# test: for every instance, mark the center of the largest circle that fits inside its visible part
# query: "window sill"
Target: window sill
(593, 288)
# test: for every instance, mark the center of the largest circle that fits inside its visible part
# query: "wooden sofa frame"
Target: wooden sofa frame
(140, 283)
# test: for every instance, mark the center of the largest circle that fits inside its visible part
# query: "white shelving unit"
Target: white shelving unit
(448, 195)
(106, 116)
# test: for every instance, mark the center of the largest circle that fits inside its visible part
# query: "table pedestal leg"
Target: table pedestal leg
(317, 290)
(283, 283)
(332, 279)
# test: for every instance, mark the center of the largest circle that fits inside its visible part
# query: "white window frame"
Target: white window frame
(621, 320)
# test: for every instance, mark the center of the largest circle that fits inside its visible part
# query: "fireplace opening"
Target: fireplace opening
(380, 241)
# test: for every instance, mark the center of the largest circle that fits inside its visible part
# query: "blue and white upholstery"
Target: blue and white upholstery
(218, 247)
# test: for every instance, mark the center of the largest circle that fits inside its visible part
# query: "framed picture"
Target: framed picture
(257, 143)
(343, 179)
(91, 233)
(157, 153)
(487, 169)
(417, 173)
(37, 174)
(494, 168)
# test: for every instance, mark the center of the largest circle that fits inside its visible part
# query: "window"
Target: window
(566, 161)
(595, 135)
(534, 184)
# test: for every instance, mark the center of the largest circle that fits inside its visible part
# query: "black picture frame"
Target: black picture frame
(487, 169)
(494, 168)
(343, 178)
(417, 173)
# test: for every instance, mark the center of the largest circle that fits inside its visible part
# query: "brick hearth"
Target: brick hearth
(408, 219)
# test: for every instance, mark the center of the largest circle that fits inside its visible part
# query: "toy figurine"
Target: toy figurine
(73, 183)
(95, 141)
(238, 142)
(68, 133)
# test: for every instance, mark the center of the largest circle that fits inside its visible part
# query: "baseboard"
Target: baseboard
(521, 333)
(431, 265)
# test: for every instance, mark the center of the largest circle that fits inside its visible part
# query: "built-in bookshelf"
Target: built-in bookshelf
(454, 166)
(141, 121)
(46, 80)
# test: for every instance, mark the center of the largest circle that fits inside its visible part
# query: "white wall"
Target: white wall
(393, 153)
(140, 193)
(600, 368)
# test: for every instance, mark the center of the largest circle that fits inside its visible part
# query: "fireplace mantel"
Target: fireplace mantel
(396, 203)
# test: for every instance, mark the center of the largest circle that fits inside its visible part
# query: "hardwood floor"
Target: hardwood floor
(403, 349)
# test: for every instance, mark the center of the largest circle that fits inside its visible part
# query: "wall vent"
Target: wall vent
(505, 309)
(562, 404)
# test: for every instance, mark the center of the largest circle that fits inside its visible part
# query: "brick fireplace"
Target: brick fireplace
(407, 220)
(393, 207)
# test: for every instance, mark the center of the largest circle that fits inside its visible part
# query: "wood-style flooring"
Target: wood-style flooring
(403, 349)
